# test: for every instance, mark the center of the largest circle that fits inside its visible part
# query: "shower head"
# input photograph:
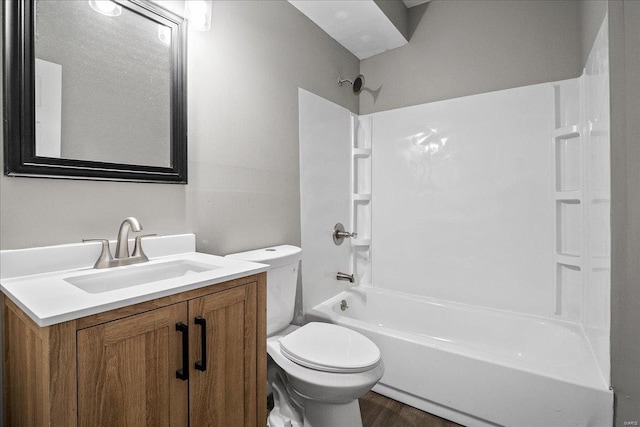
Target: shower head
(357, 84)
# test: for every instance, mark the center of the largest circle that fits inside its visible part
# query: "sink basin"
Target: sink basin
(54, 284)
(126, 277)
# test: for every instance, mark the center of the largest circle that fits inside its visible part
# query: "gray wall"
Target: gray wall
(592, 13)
(461, 48)
(243, 143)
(624, 45)
(243, 123)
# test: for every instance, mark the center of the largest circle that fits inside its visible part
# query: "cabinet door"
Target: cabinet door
(127, 371)
(223, 393)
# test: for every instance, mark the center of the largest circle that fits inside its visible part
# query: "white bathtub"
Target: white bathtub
(476, 366)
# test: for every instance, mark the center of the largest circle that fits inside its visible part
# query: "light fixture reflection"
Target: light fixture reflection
(424, 152)
(198, 13)
(429, 142)
(106, 7)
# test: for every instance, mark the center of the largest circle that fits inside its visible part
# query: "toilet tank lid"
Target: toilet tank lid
(273, 255)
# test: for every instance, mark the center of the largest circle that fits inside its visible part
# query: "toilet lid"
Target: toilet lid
(330, 348)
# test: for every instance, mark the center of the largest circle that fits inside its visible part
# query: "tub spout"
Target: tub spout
(345, 276)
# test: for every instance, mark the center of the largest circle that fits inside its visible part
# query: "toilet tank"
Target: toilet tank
(282, 278)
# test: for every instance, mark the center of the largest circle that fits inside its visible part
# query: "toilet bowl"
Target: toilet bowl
(317, 371)
(324, 369)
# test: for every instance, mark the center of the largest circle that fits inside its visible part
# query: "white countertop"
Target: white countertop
(49, 299)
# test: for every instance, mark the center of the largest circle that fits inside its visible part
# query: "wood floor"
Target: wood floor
(379, 411)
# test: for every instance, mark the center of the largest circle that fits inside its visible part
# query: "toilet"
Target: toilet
(317, 371)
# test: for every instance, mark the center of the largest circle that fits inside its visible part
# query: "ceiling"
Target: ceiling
(360, 26)
(411, 3)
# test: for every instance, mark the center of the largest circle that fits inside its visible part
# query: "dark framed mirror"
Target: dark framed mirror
(94, 89)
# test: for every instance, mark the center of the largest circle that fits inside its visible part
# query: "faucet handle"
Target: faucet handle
(105, 256)
(137, 248)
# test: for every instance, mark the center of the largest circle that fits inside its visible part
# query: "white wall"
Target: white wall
(325, 148)
(463, 207)
(596, 141)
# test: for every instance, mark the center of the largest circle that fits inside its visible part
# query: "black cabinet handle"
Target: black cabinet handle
(201, 365)
(183, 373)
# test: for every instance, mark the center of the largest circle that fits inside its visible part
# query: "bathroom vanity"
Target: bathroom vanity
(182, 351)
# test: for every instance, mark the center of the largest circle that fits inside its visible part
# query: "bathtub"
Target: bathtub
(476, 366)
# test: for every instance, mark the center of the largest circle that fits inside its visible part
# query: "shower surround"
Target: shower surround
(483, 249)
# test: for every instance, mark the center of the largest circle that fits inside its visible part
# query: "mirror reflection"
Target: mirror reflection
(102, 84)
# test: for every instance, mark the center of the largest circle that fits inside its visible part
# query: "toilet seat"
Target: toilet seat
(330, 348)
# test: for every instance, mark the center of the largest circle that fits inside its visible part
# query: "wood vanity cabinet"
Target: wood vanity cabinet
(197, 358)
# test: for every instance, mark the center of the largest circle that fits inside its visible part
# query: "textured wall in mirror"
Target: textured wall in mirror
(115, 93)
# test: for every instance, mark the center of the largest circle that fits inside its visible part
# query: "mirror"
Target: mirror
(95, 89)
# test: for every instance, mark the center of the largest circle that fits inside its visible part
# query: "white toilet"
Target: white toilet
(317, 371)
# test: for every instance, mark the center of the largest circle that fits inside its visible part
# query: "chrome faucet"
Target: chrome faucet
(105, 260)
(122, 248)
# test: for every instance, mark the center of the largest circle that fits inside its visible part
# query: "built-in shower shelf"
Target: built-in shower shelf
(360, 206)
(362, 197)
(361, 152)
(572, 260)
(360, 242)
(566, 132)
(569, 195)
